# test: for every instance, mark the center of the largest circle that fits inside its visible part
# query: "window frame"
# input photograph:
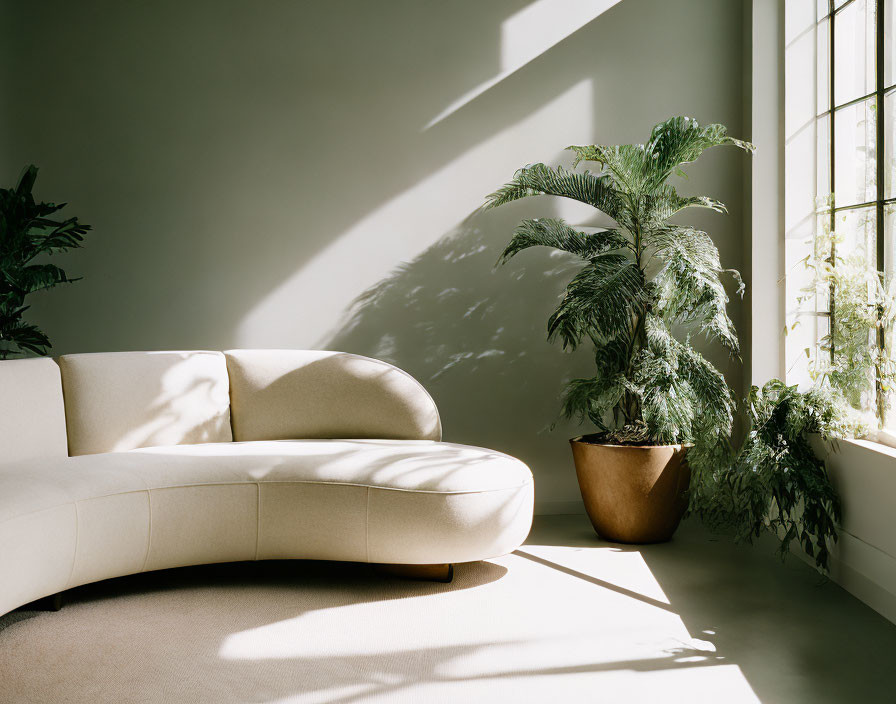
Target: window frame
(880, 202)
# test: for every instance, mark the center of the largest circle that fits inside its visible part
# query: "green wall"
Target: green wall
(307, 174)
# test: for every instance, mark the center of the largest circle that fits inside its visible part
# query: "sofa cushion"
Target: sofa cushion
(32, 415)
(67, 521)
(405, 465)
(124, 400)
(30, 486)
(289, 394)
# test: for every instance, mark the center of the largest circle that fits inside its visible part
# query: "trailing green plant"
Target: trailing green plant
(856, 355)
(27, 235)
(777, 482)
(646, 286)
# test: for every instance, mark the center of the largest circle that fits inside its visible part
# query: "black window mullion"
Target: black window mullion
(880, 394)
(856, 206)
(881, 166)
(856, 100)
(831, 177)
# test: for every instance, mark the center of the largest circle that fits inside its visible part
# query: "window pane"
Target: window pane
(822, 252)
(823, 66)
(823, 161)
(889, 144)
(855, 234)
(890, 238)
(854, 44)
(853, 313)
(889, 43)
(890, 334)
(821, 8)
(855, 179)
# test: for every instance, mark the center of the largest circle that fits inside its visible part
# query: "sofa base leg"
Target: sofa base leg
(428, 573)
(47, 603)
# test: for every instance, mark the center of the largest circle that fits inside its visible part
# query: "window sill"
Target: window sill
(886, 437)
(882, 442)
(876, 445)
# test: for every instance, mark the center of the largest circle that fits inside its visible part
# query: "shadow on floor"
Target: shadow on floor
(795, 635)
(287, 629)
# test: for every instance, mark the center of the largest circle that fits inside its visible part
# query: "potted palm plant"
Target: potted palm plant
(645, 287)
(27, 236)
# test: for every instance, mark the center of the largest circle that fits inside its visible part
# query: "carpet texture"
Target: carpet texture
(565, 619)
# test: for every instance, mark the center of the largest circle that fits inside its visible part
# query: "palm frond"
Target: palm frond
(680, 140)
(35, 277)
(689, 283)
(624, 164)
(549, 232)
(24, 336)
(593, 399)
(26, 233)
(542, 180)
(601, 302)
(664, 202)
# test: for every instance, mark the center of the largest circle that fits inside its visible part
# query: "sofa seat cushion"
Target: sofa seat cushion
(388, 501)
(404, 465)
(36, 485)
(408, 465)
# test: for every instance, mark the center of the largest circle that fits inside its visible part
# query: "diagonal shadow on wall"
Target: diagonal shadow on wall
(475, 336)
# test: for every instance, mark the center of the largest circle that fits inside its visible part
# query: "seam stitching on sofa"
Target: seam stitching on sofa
(71, 572)
(149, 530)
(284, 481)
(367, 527)
(366, 486)
(67, 503)
(257, 517)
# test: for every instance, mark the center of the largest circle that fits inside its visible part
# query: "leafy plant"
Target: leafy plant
(777, 482)
(646, 286)
(26, 234)
(856, 355)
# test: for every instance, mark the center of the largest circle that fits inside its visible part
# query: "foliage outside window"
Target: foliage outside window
(855, 356)
(852, 261)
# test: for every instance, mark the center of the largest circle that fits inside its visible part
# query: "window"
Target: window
(841, 303)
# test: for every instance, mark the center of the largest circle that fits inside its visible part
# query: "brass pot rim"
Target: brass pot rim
(681, 445)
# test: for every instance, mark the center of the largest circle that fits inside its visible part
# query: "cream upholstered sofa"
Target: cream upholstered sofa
(117, 463)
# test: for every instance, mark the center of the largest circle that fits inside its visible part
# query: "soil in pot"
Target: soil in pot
(632, 493)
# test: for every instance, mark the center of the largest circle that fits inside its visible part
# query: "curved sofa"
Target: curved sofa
(117, 463)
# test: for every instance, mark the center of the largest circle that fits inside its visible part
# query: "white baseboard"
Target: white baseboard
(867, 573)
(863, 562)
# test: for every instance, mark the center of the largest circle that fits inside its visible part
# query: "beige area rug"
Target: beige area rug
(565, 619)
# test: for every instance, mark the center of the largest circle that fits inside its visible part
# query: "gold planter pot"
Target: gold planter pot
(633, 494)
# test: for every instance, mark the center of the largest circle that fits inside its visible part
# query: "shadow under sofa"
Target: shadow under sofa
(118, 463)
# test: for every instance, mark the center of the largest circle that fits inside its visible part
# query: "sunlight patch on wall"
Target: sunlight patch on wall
(528, 34)
(305, 308)
(805, 177)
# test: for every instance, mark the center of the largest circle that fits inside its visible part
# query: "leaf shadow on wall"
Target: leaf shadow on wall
(475, 336)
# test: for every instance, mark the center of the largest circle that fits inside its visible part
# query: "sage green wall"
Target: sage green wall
(307, 174)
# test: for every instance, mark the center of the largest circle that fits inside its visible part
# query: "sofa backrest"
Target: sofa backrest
(32, 416)
(119, 401)
(298, 394)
